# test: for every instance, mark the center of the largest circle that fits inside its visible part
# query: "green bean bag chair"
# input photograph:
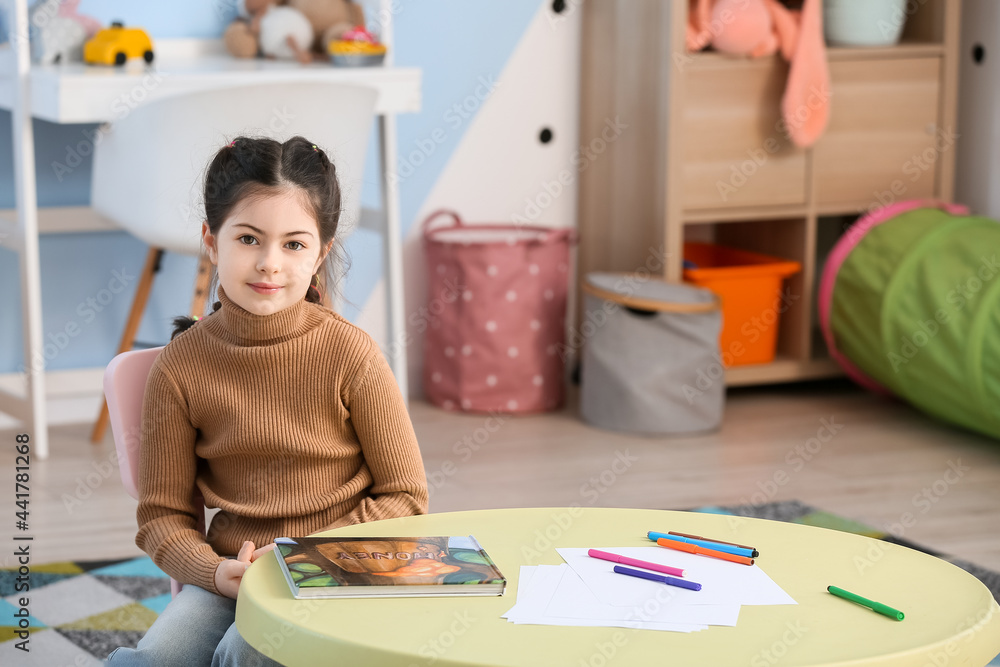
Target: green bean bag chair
(909, 304)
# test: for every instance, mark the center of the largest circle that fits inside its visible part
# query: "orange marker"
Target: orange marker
(702, 551)
(709, 539)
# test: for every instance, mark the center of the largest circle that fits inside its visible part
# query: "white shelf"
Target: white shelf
(63, 220)
(53, 220)
(72, 396)
(79, 93)
(782, 369)
(714, 59)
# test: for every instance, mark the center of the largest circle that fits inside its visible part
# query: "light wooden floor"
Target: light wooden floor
(875, 469)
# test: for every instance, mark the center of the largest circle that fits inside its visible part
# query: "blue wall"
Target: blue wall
(454, 42)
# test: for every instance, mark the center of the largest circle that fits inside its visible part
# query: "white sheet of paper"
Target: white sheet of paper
(537, 585)
(723, 582)
(524, 577)
(533, 597)
(523, 584)
(574, 599)
(634, 625)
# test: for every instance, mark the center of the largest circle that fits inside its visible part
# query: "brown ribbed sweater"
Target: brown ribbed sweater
(290, 423)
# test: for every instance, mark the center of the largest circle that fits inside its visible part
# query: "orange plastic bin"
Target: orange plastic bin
(749, 285)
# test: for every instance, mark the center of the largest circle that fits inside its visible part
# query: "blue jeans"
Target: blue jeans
(196, 628)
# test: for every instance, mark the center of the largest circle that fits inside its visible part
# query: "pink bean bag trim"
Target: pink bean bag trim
(839, 254)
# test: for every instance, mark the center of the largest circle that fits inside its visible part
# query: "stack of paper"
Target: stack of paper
(586, 591)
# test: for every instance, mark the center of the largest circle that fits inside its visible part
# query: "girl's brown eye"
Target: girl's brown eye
(244, 239)
(295, 245)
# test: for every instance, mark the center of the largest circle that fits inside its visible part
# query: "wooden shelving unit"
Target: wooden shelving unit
(694, 119)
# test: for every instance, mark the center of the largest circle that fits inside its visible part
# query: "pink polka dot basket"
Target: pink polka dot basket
(496, 315)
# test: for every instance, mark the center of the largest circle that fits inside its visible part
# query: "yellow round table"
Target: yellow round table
(951, 617)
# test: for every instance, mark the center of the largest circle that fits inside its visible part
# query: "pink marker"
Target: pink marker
(635, 562)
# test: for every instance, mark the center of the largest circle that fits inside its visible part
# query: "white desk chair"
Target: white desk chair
(149, 165)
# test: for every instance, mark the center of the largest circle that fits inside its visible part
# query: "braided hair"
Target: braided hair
(255, 167)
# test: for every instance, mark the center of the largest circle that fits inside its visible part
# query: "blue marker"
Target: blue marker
(717, 546)
(662, 578)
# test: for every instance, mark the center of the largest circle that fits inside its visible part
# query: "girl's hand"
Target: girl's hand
(260, 552)
(229, 573)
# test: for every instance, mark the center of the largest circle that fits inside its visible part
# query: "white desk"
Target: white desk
(77, 93)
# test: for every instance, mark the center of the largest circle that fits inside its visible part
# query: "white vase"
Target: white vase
(863, 22)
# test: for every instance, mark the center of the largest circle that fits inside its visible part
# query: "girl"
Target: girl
(275, 409)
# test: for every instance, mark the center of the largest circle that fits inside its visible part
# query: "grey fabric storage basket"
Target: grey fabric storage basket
(651, 360)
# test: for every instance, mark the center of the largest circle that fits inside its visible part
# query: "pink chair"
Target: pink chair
(124, 388)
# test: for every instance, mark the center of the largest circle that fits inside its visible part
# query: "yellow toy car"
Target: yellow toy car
(115, 45)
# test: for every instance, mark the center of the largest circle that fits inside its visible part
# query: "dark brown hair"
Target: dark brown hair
(258, 167)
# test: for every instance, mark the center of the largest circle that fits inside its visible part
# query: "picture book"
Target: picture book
(346, 567)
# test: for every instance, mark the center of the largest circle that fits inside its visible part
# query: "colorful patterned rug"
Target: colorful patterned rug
(82, 611)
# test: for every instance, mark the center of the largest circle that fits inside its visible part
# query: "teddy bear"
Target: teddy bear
(330, 19)
(275, 29)
(265, 28)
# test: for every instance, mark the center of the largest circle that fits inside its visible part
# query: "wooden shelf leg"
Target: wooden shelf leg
(149, 271)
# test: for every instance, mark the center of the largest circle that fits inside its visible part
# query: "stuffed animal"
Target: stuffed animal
(759, 28)
(327, 19)
(285, 33)
(58, 32)
(239, 38)
(60, 40)
(330, 19)
(69, 9)
(267, 29)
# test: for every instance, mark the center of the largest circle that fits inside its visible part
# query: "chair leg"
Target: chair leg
(131, 327)
(201, 286)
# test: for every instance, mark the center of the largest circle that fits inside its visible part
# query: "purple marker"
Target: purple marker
(663, 579)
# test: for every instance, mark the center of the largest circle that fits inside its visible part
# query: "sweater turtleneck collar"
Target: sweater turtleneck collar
(236, 325)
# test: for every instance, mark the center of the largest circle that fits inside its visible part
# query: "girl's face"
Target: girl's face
(266, 252)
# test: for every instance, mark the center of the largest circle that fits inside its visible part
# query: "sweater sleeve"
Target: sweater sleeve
(389, 447)
(167, 514)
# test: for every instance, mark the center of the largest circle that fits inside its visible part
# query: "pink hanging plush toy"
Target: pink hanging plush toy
(759, 28)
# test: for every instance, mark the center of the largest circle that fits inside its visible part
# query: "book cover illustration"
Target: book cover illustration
(320, 562)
